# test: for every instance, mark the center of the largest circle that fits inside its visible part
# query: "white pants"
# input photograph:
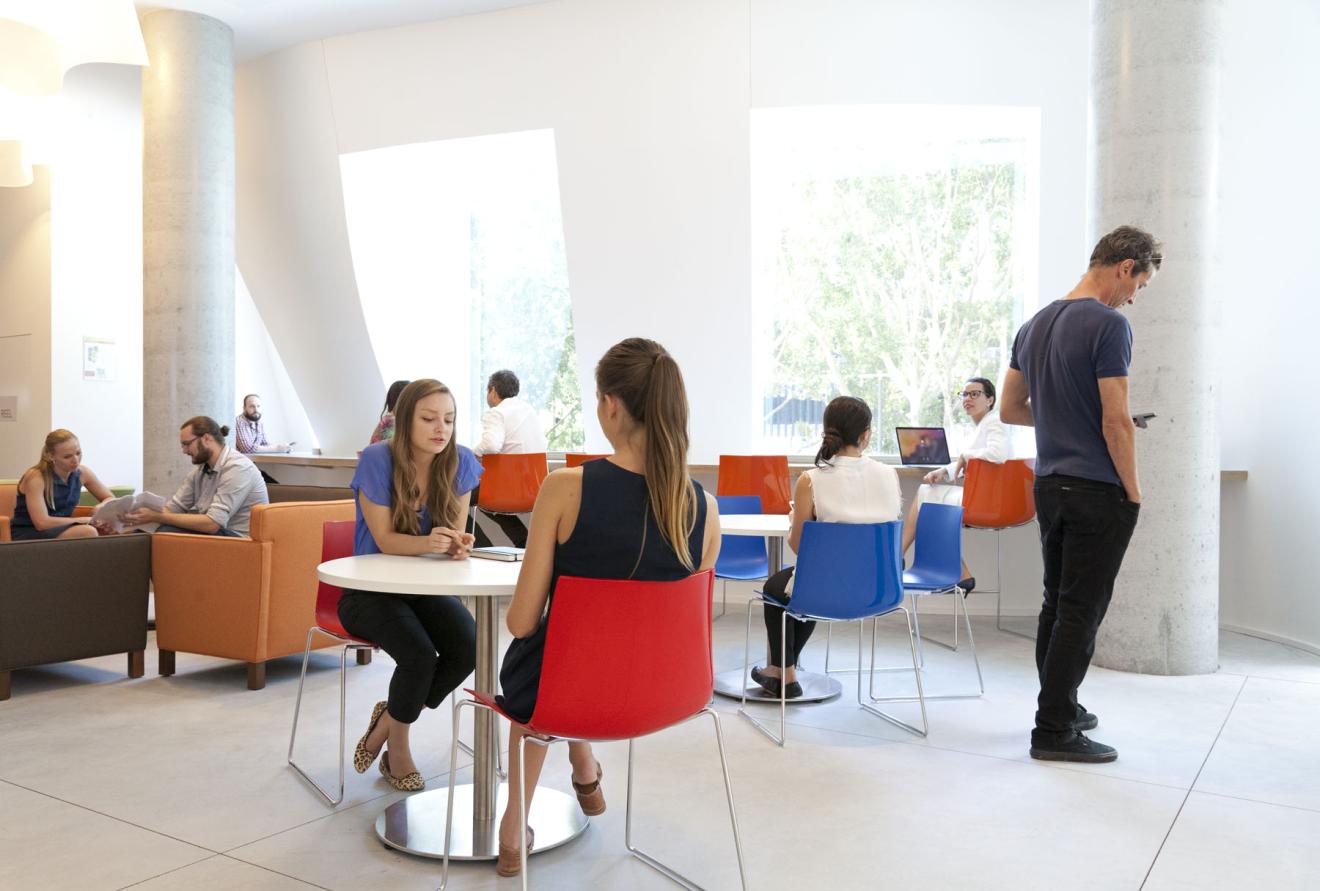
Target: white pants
(940, 493)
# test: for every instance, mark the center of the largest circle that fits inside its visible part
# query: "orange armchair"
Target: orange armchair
(240, 598)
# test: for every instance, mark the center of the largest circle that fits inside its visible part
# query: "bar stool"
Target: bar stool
(577, 459)
(510, 484)
(998, 497)
(336, 542)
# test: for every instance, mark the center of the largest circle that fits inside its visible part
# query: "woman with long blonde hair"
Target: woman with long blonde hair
(49, 490)
(412, 498)
(634, 515)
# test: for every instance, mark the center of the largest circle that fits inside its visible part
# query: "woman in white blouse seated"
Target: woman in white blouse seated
(943, 485)
(844, 487)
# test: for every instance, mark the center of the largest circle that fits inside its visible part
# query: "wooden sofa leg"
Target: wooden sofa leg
(364, 657)
(4, 685)
(256, 675)
(166, 663)
(137, 663)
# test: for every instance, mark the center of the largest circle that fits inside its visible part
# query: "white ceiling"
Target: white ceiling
(263, 26)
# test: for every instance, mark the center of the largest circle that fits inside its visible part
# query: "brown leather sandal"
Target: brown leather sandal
(589, 796)
(510, 862)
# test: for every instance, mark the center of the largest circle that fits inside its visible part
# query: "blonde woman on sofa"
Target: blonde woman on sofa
(412, 495)
(49, 491)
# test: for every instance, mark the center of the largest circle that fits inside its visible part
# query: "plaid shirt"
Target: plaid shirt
(248, 435)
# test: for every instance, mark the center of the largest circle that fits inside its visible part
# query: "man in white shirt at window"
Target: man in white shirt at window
(511, 427)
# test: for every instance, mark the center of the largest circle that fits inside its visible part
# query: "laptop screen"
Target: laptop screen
(922, 446)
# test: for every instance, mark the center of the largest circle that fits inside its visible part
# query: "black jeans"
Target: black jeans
(1085, 527)
(432, 640)
(796, 632)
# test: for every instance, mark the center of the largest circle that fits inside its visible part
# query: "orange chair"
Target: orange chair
(998, 497)
(577, 459)
(8, 497)
(765, 476)
(250, 599)
(510, 483)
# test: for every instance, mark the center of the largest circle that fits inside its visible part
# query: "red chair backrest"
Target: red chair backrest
(624, 658)
(762, 475)
(510, 483)
(336, 542)
(577, 459)
(997, 496)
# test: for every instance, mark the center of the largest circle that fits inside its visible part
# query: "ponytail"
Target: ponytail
(647, 380)
(846, 421)
(201, 425)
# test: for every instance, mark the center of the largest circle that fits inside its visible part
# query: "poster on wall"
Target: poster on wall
(9, 408)
(98, 359)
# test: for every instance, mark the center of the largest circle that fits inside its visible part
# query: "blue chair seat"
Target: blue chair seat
(742, 558)
(924, 580)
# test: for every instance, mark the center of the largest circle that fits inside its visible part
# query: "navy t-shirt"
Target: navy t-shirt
(1062, 352)
(375, 479)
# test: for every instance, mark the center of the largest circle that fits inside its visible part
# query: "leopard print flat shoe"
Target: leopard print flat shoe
(409, 782)
(362, 757)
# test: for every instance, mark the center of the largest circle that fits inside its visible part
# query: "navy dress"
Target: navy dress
(616, 537)
(67, 494)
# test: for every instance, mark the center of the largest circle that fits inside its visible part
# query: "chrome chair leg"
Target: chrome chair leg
(916, 674)
(975, 661)
(747, 658)
(999, 584)
(332, 800)
(655, 864)
(467, 749)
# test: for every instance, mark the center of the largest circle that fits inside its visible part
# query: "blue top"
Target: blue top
(374, 478)
(66, 499)
(1062, 352)
(616, 537)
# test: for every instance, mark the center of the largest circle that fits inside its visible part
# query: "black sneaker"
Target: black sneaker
(1079, 748)
(1085, 720)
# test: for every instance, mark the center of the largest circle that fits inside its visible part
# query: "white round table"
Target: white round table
(416, 824)
(816, 686)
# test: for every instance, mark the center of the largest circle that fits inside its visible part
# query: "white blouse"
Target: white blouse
(990, 442)
(856, 490)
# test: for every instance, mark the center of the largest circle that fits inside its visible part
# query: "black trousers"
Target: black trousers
(1085, 527)
(796, 632)
(432, 640)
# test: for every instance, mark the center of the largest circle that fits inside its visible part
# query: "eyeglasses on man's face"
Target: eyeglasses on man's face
(186, 444)
(971, 394)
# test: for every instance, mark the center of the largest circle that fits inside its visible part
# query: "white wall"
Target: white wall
(25, 320)
(96, 265)
(1269, 230)
(259, 369)
(650, 104)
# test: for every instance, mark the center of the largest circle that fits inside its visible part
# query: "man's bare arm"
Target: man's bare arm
(1120, 433)
(1014, 405)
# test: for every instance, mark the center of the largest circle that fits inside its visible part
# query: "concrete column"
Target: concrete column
(188, 234)
(1155, 68)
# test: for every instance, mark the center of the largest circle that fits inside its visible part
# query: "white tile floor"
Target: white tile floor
(180, 782)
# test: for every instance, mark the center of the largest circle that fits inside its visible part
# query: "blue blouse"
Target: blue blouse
(374, 478)
(67, 495)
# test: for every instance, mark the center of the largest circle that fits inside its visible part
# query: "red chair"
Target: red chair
(765, 476)
(510, 483)
(598, 679)
(577, 459)
(336, 542)
(998, 497)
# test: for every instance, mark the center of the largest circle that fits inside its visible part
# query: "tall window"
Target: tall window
(894, 253)
(458, 251)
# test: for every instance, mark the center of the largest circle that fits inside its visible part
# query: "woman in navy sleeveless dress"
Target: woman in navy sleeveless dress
(49, 491)
(634, 515)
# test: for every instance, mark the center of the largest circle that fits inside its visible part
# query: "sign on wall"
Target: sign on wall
(9, 408)
(98, 359)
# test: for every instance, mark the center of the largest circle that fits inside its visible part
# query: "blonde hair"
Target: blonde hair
(439, 498)
(646, 379)
(46, 463)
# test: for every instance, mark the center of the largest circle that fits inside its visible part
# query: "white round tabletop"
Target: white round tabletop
(428, 575)
(765, 525)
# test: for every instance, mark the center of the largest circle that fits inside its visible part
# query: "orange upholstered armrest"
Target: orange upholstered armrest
(4, 529)
(212, 594)
(84, 510)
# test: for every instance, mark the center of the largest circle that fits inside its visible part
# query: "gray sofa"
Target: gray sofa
(67, 600)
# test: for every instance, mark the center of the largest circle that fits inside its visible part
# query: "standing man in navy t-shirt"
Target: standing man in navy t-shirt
(1068, 378)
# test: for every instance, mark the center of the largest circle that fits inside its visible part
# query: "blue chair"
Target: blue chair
(936, 570)
(743, 558)
(845, 573)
